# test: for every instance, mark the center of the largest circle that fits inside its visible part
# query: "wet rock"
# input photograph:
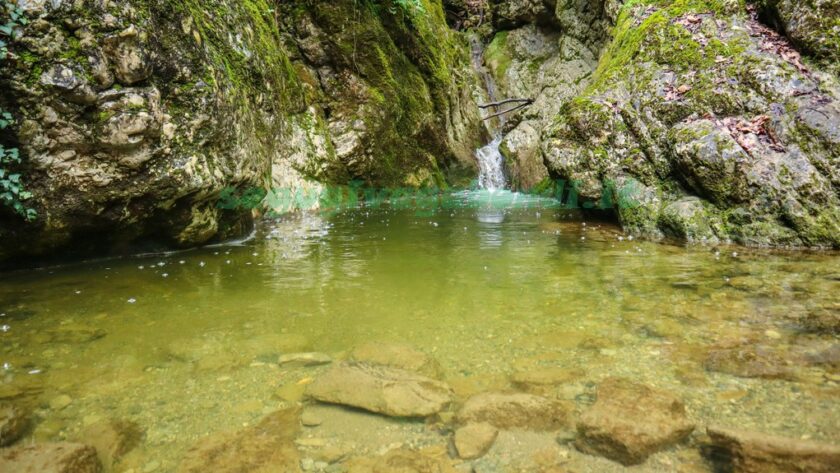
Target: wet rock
(310, 419)
(751, 361)
(267, 446)
(515, 410)
(60, 402)
(291, 392)
(61, 457)
(388, 391)
(297, 360)
(13, 423)
(402, 460)
(73, 334)
(753, 452)
(630, 421)
(541, 381)
(397, 355)
(112, 440)
(474, 440)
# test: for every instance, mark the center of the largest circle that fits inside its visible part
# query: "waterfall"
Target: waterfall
(491, 163)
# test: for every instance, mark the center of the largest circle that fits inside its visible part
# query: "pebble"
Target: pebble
(773, 334)
(309, 419)
(60, 402)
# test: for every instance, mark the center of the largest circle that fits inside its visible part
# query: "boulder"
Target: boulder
(397, 355)
(630, 421)
(741, 451)
(60, 457)
(474, 440)
(388, 391)
(267, 446)
(515, 410)
(13, 423)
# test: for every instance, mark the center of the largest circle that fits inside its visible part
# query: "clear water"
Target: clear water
(184, 344)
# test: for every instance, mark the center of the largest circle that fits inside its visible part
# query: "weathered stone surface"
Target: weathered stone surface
(515, 410)
(388, 391)
(267, 446)
(666, 138)
(753, 452)
(13, 423)
(630, 421)
(810, 24)
(399, 356)
(540, 381)
(62, 457)
(292, 360)
(474, 440)
(751, 361)
(112, 439)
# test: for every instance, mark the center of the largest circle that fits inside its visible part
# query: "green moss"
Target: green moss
(496, 55)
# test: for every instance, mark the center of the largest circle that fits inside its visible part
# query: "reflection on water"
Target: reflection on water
(185, 344)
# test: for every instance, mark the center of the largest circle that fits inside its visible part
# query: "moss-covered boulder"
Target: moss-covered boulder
(133, 118)
(702, 123)
(812, 25)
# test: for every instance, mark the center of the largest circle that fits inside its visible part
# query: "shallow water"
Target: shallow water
(185, 344)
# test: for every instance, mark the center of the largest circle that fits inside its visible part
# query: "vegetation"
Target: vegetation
(12, 192)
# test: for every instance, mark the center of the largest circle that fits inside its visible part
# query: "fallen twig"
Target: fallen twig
(506, 101)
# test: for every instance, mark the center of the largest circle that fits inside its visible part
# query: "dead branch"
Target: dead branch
(506, 101)
(520, 106)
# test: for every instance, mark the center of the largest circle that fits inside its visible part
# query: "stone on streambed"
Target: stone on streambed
(267, 446)
(751, 361)
(516, 410)
(13, 422)
(301, 360)
(112, 439)
(61, 457)
(399, 356)
(630, 421)
(389, 391)
(403, 460)
(474, 440)
(541, 381)
(753, 452)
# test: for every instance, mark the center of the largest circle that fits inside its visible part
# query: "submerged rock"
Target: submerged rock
(751, 361)
(474, 440)
(403, 460)
(541, 381)
(294, 360)
(61, 457)
(112, 439)
(388, 391)
(630, 421)
(515, 410)
(753, 452)
(399, 356)
(13, 423)
(267, 446)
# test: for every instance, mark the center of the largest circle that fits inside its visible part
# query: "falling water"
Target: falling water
(491, 164)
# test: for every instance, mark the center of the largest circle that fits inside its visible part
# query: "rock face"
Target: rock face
(725, 136)
(117, 110)
(515, 410)
(388, 391)
(399, 356)
(474, 440)
(60, 457)
(13, 423)
(810, 24)
(629, 421)
(753, 452)
(267, 446)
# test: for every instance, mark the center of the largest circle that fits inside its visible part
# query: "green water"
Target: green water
(185, 344)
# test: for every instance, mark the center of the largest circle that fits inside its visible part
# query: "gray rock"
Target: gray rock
(13, 423)
(388, 391)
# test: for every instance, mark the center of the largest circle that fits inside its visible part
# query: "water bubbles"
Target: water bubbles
(5, 328)
(630, 237)
(77, 292)
(181, 262)
(141, 267)
(254, 254)
(583, 238)
(132, 300)
(7, 366)
(161, 264)
(166, 275)
(201, 263)
(227, 261)
(734, 254)
(35, 371)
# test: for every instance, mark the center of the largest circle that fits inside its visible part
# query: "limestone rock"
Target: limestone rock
(399, 356)
(267, 446)
(388, 391)
(753, 452)
(61, 457)
(515, 410)
(474, 440)
(630, 421)
(13, 423)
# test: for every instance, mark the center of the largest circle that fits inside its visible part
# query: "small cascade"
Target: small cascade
(491, 164)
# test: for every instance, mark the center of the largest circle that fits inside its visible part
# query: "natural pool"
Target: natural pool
(186, 344)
